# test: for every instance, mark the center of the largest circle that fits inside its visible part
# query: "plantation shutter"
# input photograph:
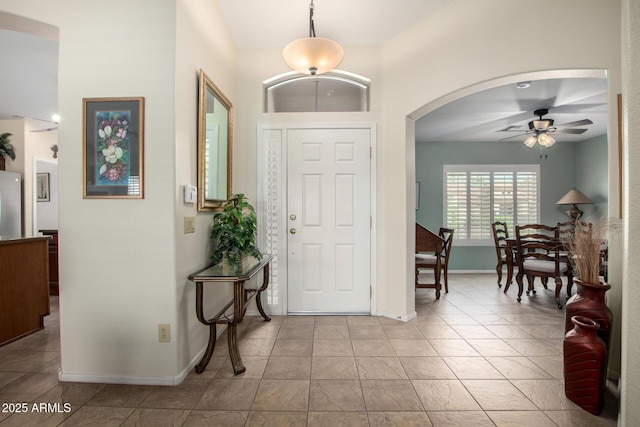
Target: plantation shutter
(477, 195)
(527, 197)
(479, 205)
(456, 201)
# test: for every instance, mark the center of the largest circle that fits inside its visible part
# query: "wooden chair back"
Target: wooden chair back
(537, 242)
(447, 235)
(500, 236)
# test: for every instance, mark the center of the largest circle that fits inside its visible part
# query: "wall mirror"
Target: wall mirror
(215, 135)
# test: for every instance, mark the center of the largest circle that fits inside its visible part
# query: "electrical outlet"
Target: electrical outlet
(189, 224)
(164, 332)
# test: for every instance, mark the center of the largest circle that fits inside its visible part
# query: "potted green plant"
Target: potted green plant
(234, 231)
(6, 149)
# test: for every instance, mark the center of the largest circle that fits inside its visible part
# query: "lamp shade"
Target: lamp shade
(313, 55)
(531, 141)
(546, 140)
(574, 197)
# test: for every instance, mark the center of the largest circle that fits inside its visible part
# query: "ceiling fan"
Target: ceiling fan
(540, 129)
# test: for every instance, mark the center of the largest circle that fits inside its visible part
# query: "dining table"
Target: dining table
(511, 243)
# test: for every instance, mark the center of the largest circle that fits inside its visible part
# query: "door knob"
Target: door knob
(292, 231)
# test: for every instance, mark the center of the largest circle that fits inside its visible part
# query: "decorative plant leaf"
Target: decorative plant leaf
(234, 231)
(6, 149)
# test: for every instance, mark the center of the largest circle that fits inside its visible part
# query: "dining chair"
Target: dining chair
(500, 236)
(538, 253)
(439, 263)
(566, 233)
(447, 235)
(428, 254)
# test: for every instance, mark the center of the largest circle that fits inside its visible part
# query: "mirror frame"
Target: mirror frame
(205, 86)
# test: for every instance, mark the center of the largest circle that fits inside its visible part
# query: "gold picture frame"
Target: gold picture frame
(215, 145)
(620, 170)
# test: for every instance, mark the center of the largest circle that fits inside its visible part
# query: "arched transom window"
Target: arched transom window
(330, 92)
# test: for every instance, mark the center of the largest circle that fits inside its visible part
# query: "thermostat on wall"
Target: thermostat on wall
(190, 194)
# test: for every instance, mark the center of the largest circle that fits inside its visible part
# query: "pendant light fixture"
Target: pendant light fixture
(312, 55)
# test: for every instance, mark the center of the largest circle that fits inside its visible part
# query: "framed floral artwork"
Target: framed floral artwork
(113, 148)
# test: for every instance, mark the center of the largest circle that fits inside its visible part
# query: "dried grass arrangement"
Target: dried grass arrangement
(586, 248)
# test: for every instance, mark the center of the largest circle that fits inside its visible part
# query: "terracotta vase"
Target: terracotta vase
(589, 302)
(585, 358)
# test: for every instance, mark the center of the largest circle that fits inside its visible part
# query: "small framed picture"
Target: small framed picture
(43, 189)
(113, 141)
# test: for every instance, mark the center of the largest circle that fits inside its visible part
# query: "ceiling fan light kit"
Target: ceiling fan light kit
(313, 55)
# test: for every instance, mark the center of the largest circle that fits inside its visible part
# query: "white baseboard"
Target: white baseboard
(406, 318)
(122, 379)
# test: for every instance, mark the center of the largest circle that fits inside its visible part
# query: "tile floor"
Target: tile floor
(474, 358)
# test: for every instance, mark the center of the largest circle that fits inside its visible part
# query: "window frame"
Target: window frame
(464, 239)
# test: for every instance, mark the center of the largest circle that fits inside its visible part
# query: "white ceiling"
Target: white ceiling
(29, 80)
(28, 76)
(482, 116)
(273, 23)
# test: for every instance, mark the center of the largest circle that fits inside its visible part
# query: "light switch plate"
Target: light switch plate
(164, 332)
(189, 224)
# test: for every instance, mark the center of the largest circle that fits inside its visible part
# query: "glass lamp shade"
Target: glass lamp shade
(546, 140)
(313, 55)
(531, 141)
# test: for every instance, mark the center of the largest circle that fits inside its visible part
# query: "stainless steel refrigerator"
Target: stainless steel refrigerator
(10, 205)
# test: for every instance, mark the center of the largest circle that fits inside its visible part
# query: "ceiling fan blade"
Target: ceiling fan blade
(34, 118)
(576, 123)
(45, 130)
(512, 136)
(571, 131)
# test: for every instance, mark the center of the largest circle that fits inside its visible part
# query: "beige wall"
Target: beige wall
(630, 384)
(202, 41)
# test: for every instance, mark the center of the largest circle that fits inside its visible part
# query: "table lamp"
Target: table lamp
(574, 197)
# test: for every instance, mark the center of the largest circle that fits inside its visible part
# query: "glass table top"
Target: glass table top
(224, 272)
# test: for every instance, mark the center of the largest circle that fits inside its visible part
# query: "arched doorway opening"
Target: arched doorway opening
(480, 118)
(611, 204)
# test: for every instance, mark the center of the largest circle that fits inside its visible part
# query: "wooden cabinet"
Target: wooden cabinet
(24, 287)
(53, 260)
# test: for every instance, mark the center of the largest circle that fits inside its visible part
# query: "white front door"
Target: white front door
(329, 220)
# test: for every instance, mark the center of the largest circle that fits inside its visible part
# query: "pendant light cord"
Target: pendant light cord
(312, 28)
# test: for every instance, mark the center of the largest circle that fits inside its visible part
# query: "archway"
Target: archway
(561, 86)
(612, 185)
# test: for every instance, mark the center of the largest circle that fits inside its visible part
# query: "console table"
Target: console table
(220, 273)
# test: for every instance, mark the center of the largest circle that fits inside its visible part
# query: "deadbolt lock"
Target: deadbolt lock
(292, 217)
